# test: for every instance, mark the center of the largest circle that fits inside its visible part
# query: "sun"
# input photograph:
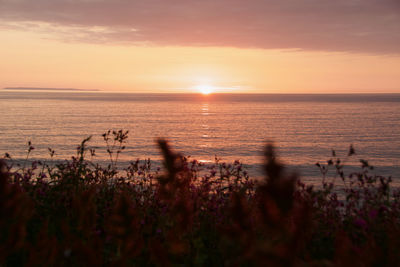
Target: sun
(205, 89)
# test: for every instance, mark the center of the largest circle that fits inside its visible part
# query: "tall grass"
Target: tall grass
(80, 213)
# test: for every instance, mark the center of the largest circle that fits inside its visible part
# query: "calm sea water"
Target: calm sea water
(304, 128)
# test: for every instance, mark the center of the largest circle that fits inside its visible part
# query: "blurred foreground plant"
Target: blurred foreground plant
(79, 213)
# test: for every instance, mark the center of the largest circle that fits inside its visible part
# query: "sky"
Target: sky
(235, 46)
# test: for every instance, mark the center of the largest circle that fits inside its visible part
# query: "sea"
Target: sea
(304, 128)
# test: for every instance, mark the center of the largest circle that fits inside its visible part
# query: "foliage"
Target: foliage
(80, 213)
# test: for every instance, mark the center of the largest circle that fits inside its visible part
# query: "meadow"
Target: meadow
(77, 212)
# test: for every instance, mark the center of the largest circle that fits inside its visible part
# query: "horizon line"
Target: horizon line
(55, 89)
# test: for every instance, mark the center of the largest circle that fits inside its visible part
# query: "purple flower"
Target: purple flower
(373, 214)
(360, 222)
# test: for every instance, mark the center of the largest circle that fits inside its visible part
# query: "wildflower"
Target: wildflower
(373, 213)
(360, 222)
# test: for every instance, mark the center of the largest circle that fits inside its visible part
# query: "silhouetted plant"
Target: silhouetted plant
(77, 212)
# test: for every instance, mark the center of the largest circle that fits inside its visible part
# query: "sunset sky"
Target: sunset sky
(255, 46)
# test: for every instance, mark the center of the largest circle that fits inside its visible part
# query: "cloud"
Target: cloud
(367, 26)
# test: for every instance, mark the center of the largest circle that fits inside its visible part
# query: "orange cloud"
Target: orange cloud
(371, 26)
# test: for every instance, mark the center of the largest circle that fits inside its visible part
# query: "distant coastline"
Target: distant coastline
(49, 89)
